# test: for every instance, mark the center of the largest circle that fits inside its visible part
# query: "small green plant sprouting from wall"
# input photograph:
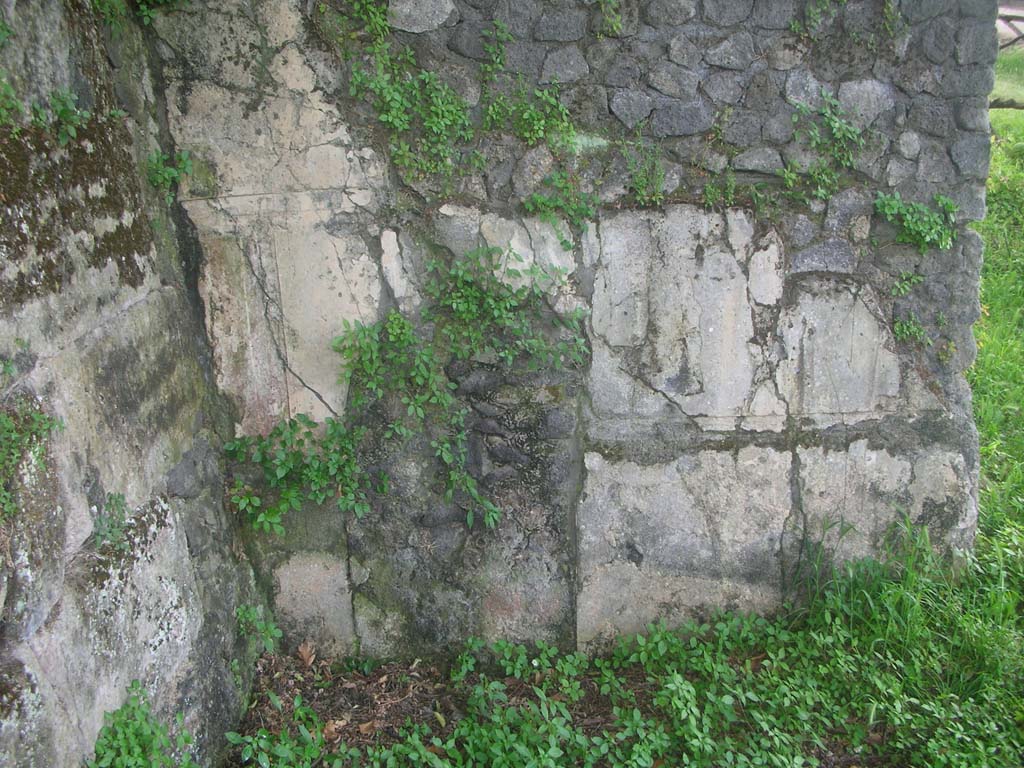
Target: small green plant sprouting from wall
(565, 199)
(300, 464)
(905, 283)
(721, 192)
(909, 328)
(611, 17)
(532, 115)
(282, 749)
(428, 122)
(835, 140)
(252, 623)
(132, 737)
(67, 117)
(116, 12)
(165, 172)
(483, 304)
(917, 224)
(23, 432)
(10, 106)
(646, 173)
(111, 526)
(817, 13)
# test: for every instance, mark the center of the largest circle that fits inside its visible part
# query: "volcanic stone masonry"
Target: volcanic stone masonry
(744, 391)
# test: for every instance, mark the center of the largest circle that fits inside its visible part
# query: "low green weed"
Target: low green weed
(565, 199)
(905, 283)
(6, 33)
(165, 172)
(646, 173)
(997, 376)
(909, 328)
(611, 17)
(113, 12)
(301, 461)
(67, 117)
(24, 429)
(11, 108)
(251, 622)
(132, 737)
(721, 193)
(111, 526)
(835, 142)
(917, 224)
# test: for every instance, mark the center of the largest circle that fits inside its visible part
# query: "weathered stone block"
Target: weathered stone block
(702, 530)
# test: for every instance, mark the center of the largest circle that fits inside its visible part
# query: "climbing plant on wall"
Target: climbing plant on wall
(484, 304)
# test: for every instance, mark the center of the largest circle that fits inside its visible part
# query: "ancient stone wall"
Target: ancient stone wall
(100, 328)
(744, 390)
(765, 360)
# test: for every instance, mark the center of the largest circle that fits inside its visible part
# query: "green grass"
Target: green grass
(998, 374)
(1010, 76)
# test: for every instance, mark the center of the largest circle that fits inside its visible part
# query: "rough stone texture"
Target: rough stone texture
(419, 15)
(699, 531)
(97, 287)
(744, 386)
(284, 229)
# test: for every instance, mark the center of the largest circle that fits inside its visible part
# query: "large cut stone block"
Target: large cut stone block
(858, 494)
(840, 365)
(700, 531)
(673, 316)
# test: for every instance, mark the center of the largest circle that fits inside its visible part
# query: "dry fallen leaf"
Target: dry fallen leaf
(307, 654)
(367, 728)
(332, 731)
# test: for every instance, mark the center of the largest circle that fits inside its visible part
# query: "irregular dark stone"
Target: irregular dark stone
(672, 80)
(921, 10)
(970, 80)
(934, 163)
(937, 41)
(931, 115)
(764, 92)
(683, 52)
(504, 453)
(972, 115)
(775, 14)
(976, 44)
(672, 13)
(588, 104)
(830, 256)
(631, 107)
(845, 206)
(735, 52)
(196, 471)
(564, 65)
(561, 26)
(759, 159)
(803, 88)
(531, 170)
(779, 127)
(468, 40)
(971, 155)
(725, 13)
(865, 100)
(525, 58)
(682, 119)
(723, 87)
(420, 15)
(743, 128)
(624, 73)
